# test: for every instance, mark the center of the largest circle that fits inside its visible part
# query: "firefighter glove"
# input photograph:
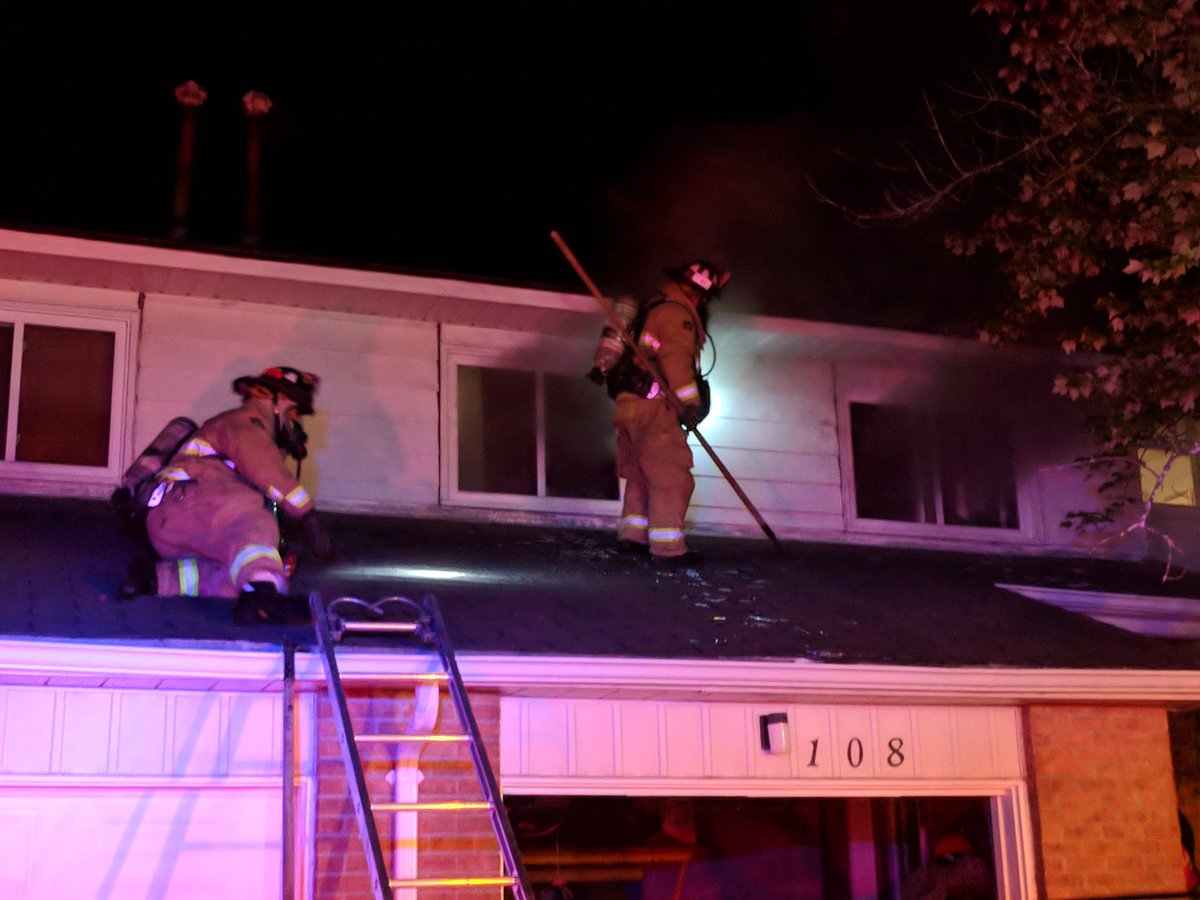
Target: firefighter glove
(689, 417)
(318, 538)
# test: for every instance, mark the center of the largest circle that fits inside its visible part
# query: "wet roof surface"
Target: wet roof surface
(541, 590)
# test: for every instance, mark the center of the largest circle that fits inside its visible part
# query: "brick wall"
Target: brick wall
(1104, 797)
(1185, 751)
(448, 843)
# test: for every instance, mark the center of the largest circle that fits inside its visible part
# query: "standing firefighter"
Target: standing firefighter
(210, 516)
(652, 450)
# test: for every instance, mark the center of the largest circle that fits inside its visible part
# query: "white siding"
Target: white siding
(131, 733)
(629, 740)
(373, 440)
(774, 427)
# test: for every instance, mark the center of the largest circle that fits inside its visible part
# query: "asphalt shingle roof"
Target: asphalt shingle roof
(525, 589)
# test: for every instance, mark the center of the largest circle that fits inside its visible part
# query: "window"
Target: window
(533, 434)
(62, 397)
(931, 467)
(1178, 486)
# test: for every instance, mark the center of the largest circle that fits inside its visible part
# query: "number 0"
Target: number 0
(854, 753)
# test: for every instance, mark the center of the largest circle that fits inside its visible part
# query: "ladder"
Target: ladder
(424, 622)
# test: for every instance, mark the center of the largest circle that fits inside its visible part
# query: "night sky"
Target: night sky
(455, 141)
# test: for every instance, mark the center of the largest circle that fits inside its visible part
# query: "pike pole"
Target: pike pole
(672, 401)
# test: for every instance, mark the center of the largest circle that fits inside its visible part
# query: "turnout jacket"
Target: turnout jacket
(237, 448)
(672, 336)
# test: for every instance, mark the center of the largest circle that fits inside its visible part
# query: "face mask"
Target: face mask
(290, 436)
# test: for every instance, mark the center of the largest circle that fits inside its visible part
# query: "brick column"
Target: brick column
(1103, 791)
(448, 843)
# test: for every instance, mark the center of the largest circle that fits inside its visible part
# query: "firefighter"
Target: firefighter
(211, 517)
(652, 450)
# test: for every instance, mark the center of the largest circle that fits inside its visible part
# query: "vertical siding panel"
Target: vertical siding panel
(548, 734)
(594, 739)
(894, 743)
(935, 728)
(254, 734)
(684, 740)
(853, 750)
(141, 726)
(812, 731)
(87, 717)
(729, 739)
(511, 736)
(196, 735)
(1006, 735)
(974, 739)
(29, 732)
(639, 740)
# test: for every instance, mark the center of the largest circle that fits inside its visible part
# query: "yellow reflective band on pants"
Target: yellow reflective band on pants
(665, 535)
(298, 498)
(250, 554)
(189, 578)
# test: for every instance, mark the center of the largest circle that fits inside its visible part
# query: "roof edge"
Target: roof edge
(135, 253)
(259, 666)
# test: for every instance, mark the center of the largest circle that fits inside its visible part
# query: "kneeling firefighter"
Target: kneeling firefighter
(209, 515)
(652, 450)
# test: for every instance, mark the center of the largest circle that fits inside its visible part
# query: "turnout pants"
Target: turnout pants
(213, 540)
(655, 460)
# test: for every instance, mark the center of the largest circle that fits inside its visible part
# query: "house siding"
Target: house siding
(374, 438)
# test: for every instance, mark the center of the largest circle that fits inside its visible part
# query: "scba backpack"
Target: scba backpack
(628, 376)
(131, 497)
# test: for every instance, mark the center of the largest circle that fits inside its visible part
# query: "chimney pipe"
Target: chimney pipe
(256, 105)
(191, 97)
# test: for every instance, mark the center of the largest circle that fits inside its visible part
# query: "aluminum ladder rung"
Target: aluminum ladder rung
(412, 738)
(498, 881)
(366, 626)
(431, 806)
(403, 677)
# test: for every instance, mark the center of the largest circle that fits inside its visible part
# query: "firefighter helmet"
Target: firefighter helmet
(700, 275)
(952, 844)
(292, 383)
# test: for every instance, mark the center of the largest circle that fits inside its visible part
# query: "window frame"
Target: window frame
(122, 324)
(1026, 511)
(502, 356)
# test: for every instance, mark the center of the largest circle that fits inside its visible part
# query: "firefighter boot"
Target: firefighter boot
(140, 581)
(262, 604)
(687, 560)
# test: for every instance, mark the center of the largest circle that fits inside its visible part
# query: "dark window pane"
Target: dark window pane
(65, 409)
(887, 479)
(497, 437)
(976, 463)
(580, 441)
(6, 348)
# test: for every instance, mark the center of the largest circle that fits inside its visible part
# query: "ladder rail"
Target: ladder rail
(359, 797)
(288, 837)
(507, 839)
(429, 628)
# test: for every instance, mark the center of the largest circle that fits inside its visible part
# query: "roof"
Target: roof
(546, 591)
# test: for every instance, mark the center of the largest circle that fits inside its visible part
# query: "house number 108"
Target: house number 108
(854, 752)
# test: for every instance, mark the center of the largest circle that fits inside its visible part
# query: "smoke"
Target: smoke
(741, 197)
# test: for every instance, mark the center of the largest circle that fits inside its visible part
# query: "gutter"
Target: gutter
(254, 667)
